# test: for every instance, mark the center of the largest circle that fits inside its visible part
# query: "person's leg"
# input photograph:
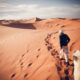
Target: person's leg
(61, 53)
(65, 50)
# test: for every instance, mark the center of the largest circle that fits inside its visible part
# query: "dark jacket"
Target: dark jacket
(64, 40)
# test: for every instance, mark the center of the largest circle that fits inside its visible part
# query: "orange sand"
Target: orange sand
(29, 49)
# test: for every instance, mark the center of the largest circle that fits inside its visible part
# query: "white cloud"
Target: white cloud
(9, 8)
(33, 10)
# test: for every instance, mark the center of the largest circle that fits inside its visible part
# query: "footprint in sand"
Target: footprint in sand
(29, 64)
(25, 75)
(37, 56)
(47, 78)
(70, 60)
(66, 78)
(62, 26)
(21, 64)
(46, 44)
(54, 52)
(47, 41)
(57, 25)
(49, 48)
(66, 71)
(13, 75)
(59, 68)
(39, 49)
(27, 50)
(54, 37)
(57, 57)
(72, 64)
(22, 55)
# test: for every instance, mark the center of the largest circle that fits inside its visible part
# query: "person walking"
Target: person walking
(64, 40)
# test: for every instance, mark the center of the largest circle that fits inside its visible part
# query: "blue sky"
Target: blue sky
(25, 9)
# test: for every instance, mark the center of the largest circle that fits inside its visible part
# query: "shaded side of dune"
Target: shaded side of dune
(20, 25)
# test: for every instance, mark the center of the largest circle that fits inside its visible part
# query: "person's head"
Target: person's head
(61, 31)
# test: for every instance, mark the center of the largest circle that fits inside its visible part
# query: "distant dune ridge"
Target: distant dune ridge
(29, 49)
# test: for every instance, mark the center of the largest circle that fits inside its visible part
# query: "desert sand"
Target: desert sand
(29, 49)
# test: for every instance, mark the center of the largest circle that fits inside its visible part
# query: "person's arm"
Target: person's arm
(68, 39)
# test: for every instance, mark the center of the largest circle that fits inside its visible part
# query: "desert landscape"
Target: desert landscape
(29, 49)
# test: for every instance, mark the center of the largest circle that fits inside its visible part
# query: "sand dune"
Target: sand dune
(29, 50)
